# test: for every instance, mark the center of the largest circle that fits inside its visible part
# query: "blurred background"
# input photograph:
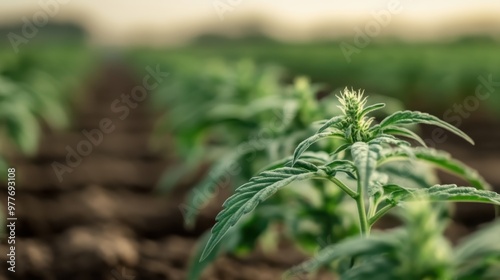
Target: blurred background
(102, 103)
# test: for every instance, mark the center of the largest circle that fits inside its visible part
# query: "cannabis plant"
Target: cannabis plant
(357, 167)
(30, 94)
(417, 250)
(290, 207)
(231, 99)
(23, 104)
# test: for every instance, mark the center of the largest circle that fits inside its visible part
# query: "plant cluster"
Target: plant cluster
(34, 88)
(351, 164)
(357, 166)
(238, 134)
(443, 73)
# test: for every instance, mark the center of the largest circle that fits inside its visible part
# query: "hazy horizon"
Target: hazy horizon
(172, 22)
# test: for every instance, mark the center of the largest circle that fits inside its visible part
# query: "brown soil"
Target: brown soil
(105, 221)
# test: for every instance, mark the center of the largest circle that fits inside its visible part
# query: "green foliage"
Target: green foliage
(440, 160)
(431, 76)
(249, 195)
(418, 250)
(34, 88)
(354, 165)
(241, 136)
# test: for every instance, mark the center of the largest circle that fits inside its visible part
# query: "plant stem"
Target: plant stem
(380, 213)
(372, 207)
(345, 188)
(360, 202)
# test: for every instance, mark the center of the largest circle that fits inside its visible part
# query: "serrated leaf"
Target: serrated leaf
(304, 145)
(365, 158)
(249, 195)
(396, 193)
(317, 158)
(416, 174)
(443, 161)
(340, 149)
(390, 140)
(196, 267)
(401, 131)
(330, 123)
(372, 108)
(453, 193)
(415, 117)
(338, 165)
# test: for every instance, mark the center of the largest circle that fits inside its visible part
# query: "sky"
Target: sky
(168, 21)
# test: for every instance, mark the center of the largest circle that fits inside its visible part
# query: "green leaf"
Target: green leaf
(441, 160)
(380, 267)
(389, 140)
(479, 245)
(340, 149)
(330, 123)
(446, 162)
(396, 193)
(249, 195)
(23, 129)
(479, 254)
(415, 117)
(365, 159)
(351, 247)
(203, 191)
(196, 265)
(340, 165)
(401, 131)
(44, 91)
(304, 145)
(413, 174)
(318, 158)
(372, 108)
(453, 193)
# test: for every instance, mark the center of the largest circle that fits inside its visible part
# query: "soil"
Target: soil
(105, 220)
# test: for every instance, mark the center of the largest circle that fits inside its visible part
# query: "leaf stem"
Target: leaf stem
(372, 208)
(380, 213)
(360, 202)
(345, 188)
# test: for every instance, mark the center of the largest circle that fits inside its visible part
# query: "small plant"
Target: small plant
(357, 166)
(30, 94)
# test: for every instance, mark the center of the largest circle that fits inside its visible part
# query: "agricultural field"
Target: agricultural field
(251, 159)
(430, 75)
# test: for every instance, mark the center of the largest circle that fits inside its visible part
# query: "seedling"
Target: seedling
(356, 167)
